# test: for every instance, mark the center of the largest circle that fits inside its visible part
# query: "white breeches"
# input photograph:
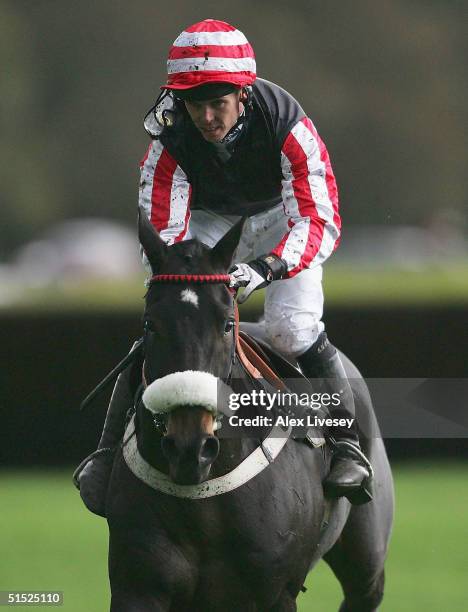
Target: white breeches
(294, 306)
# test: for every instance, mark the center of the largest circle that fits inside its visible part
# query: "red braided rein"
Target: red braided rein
(191, 278)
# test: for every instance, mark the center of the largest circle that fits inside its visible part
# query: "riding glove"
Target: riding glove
(256, 274)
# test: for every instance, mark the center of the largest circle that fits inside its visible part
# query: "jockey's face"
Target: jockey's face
(214, 118)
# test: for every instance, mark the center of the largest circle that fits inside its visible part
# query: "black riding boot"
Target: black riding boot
(350, 473)
(93, 474)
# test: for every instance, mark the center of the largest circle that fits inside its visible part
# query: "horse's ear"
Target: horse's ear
(154, 246)
(223, 250)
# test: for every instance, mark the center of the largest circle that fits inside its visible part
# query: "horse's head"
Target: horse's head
(189, 343)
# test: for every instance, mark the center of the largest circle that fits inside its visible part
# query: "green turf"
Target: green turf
(427, 565)
(49, 541)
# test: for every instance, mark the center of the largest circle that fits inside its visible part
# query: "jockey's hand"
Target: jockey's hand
(256, 274)
(246, 275)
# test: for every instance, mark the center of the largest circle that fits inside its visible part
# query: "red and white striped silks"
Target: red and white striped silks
(210, 51)
(165, 193)
(310, 200)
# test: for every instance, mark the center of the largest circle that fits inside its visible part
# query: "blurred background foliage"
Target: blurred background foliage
(385, 82)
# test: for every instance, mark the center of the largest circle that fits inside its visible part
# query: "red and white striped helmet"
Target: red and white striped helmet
(210, 51)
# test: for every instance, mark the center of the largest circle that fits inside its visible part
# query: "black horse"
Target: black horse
(184, 538)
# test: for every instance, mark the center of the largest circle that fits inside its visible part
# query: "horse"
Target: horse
(195, 522)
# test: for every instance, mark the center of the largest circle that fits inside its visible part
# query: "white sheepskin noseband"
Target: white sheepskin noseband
(188, 388)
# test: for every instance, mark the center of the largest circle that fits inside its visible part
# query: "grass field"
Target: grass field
(49, 541)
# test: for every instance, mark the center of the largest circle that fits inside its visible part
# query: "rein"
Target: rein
(214, 279)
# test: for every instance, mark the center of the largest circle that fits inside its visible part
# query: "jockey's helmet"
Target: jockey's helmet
(210, 59)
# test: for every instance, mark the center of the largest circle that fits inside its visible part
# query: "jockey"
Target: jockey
(227, 144)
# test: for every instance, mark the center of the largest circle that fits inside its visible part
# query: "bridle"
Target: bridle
(259, 459)
(213, 279)
(198, 279)
(206, 279)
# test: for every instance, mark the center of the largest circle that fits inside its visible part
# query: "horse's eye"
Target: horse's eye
(229, 325)
(160, 423)
(149, 326)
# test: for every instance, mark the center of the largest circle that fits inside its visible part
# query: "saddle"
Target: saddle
(261, 361)
(255, 351)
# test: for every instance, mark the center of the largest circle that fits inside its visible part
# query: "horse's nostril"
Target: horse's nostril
(209, 449)
(169, 447)
(202, 451)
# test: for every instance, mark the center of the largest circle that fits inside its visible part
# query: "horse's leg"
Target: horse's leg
(145, 573)
(135, 594)
(363, 591)
(122, 601)
(358, 557)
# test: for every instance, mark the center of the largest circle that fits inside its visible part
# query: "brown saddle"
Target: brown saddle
(261, 361)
